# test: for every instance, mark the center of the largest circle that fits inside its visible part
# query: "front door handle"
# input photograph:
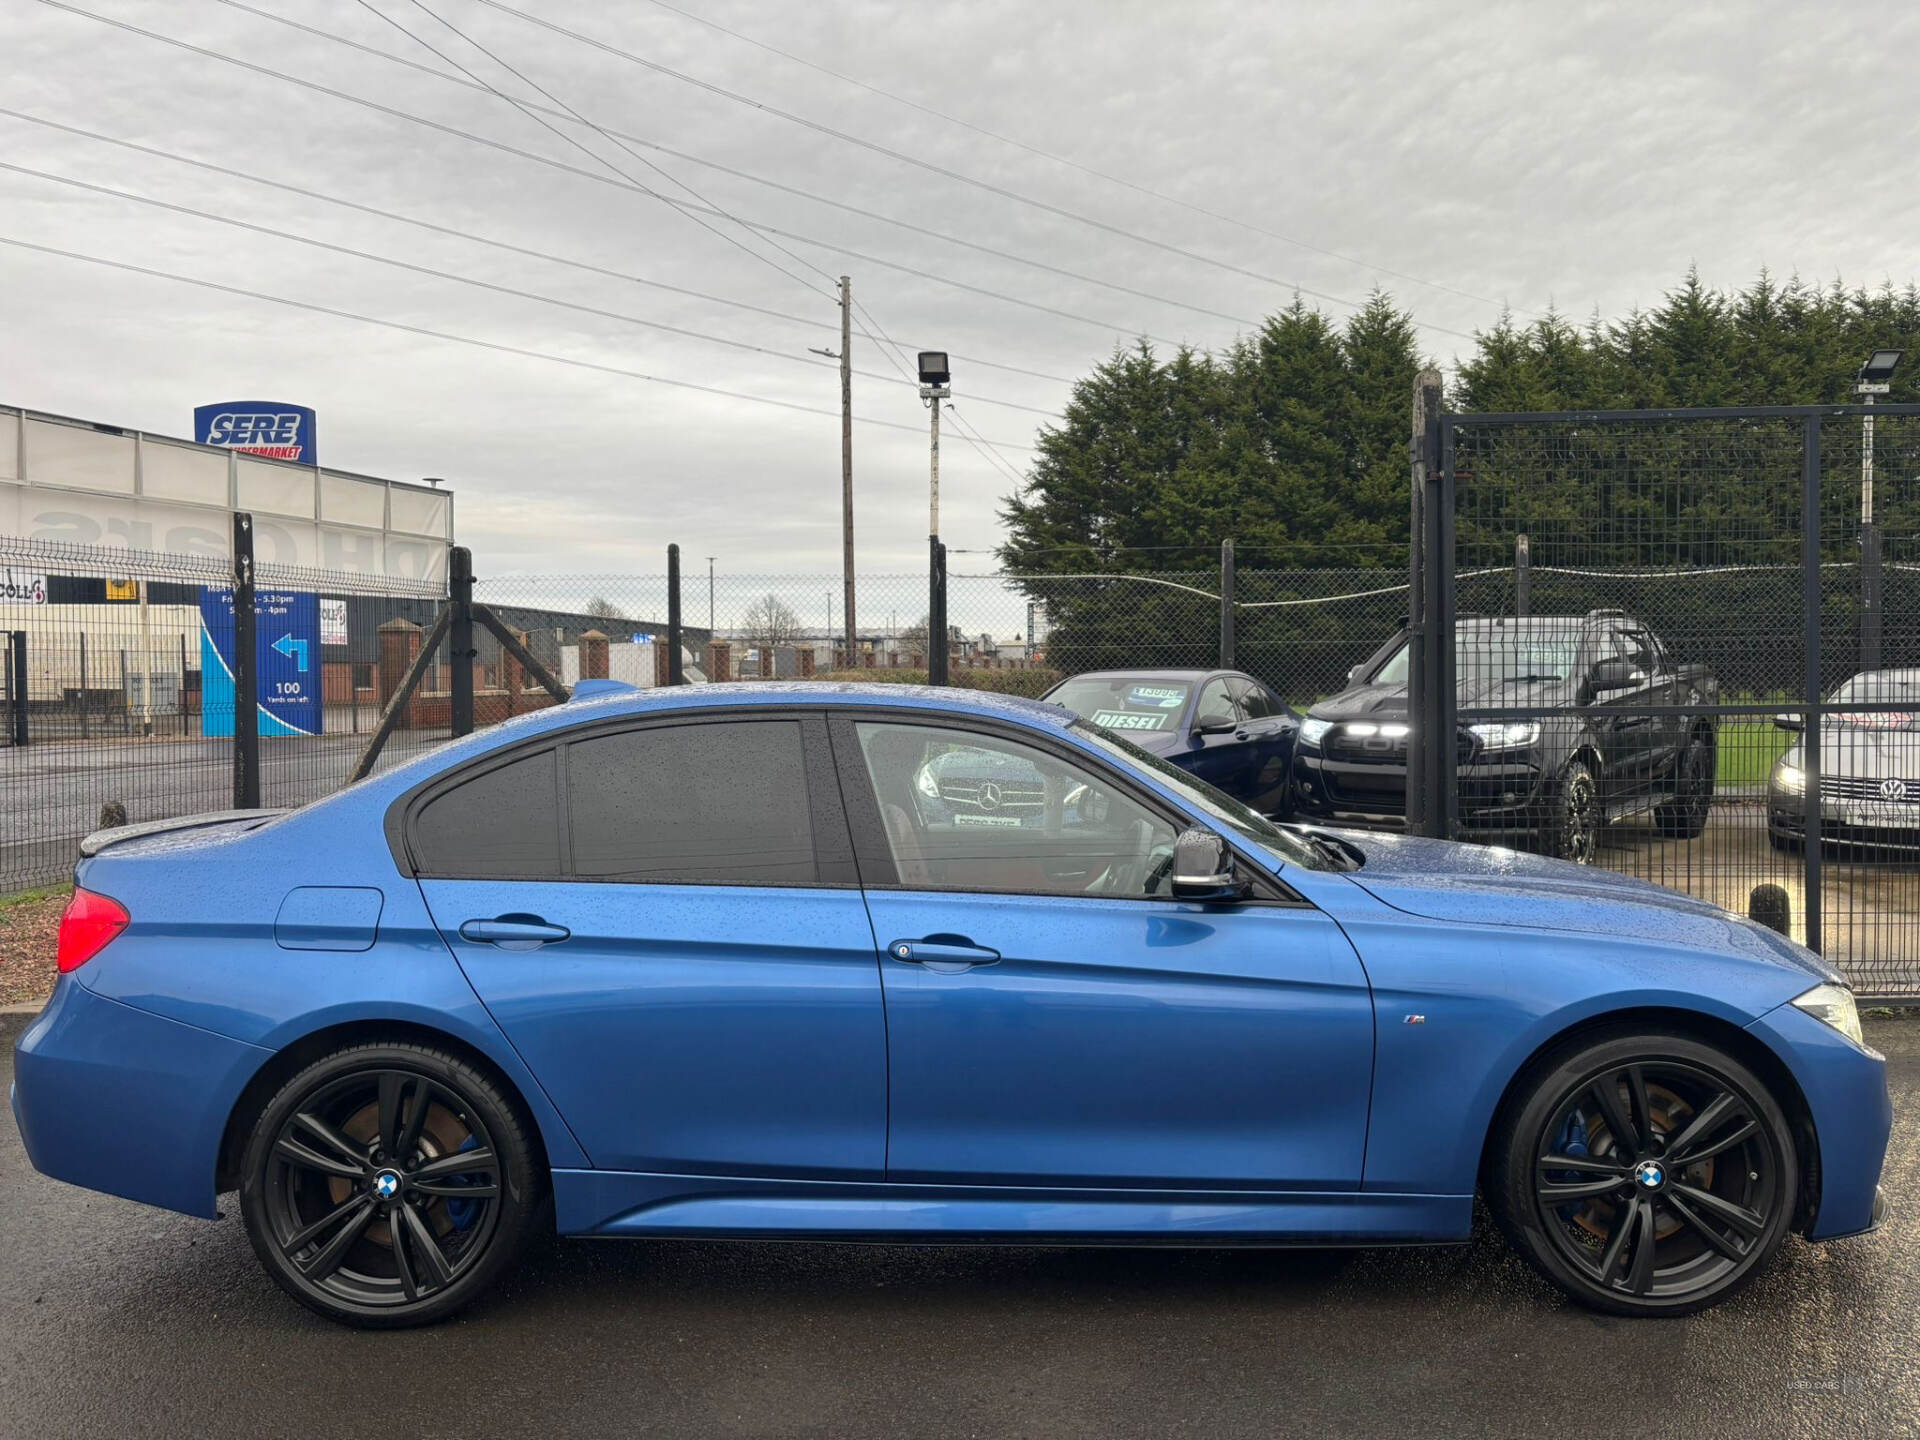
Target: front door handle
(514, 932)
(944, 955)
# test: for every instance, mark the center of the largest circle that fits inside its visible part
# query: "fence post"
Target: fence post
(676, 666)
(86, 729)
(1810, 607)
(17, 686)
(460, 646)
(1871, 596)
(1226, 606)
(1423, 452)
(246, 671)
(937, 617)
(1522, 575)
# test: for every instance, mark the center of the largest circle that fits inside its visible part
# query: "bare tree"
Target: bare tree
(602, 608)
(770, 623)
(913, 639)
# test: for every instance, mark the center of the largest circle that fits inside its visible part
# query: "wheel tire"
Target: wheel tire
(1714, 1222)
(1684, 817)
(1576, 817)
(422, 1249)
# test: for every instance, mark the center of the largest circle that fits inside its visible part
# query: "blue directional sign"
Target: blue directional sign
(286, 635)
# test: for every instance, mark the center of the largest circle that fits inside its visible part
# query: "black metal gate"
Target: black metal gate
(13, 687)
(1683, 644)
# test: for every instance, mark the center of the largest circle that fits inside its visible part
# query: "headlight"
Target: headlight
(926, 784)
(1506, 734)
(1834, 1004)
(1790, 778)
(1313, 731)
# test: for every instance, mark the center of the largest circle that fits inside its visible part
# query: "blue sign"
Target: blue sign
(259, 427)
(286, 644)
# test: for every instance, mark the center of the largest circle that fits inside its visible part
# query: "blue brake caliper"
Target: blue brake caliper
(462, 1213)
(1573, 1141)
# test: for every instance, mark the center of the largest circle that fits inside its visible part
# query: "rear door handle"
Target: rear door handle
(945, 956)
(514, 932)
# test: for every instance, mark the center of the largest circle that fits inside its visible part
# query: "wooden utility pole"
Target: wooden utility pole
(846, 459)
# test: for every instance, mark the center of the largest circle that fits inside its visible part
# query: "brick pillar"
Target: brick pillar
(400, 641)
(806, 662)
(719, 661)
(661, 656)
(593, 656)
(511, 679)
(766, 662)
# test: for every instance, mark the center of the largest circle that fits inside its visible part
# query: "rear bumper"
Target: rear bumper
(1846, 1092)
(116, 1099)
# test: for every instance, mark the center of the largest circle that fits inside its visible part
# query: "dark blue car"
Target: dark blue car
(695, 962)
(1222, 725)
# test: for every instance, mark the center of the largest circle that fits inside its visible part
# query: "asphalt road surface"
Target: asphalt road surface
(120, 1320)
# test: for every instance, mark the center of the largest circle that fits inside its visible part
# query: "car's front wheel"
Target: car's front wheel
(1574, 825)
(1644, 1174)
(388, 1185)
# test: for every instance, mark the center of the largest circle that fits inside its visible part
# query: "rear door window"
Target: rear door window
(712, 803)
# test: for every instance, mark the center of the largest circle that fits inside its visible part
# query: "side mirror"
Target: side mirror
(1203, 868)
(1353, 675)
(1613, 673)
(1215, 724)
(1790, 722)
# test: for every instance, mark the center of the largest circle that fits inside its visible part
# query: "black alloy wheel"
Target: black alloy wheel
(1576, 823)
(1646, 1175)
(1684, 817)
(388, 1185)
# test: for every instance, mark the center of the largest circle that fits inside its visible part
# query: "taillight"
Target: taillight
(88, 923)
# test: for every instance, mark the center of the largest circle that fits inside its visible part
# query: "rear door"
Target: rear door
(663, 918)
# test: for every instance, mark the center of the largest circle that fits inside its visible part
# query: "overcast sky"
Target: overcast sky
(1529, 155)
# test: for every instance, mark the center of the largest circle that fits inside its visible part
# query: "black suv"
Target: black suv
(1586, 755)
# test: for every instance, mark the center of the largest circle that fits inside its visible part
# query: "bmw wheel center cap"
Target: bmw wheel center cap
(1651, 1174)
(386, 1184)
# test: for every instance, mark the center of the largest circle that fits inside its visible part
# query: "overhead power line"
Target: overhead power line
(960, 177)
(1072, 164)
(617, 136)
(573, 263)
(832, 247)
(432, 334)
(436, 273)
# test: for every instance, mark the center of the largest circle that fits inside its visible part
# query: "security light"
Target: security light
(1877, 371)
(933, 367)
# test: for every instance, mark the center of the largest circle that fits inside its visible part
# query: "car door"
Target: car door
(1214, 758)
(664, 918)
(1269, 728)
(1055, 1019)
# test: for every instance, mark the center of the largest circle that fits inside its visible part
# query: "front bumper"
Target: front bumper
(1846, 1093)
(116, 1099)
(1499, 794)
(1888, 829)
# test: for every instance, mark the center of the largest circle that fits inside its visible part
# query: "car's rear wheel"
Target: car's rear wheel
(388, 1185)
(1644, 1174)
(1684, 817)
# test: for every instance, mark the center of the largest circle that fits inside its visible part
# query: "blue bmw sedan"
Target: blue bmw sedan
(706, 962)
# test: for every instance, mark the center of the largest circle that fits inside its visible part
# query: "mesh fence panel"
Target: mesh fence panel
(1660, 590)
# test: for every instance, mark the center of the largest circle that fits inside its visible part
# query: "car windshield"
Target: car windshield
(1487, 656)
(1880, 687)
(1124, 702)
(1244, 820)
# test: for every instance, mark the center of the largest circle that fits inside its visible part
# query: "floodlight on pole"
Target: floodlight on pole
(1876, 378)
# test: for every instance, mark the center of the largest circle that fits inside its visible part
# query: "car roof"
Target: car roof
(1145, 674)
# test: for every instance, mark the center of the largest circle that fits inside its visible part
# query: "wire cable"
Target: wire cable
(617, 136)
(1058, 159)
(1111, 328)
(960, 177)
(488, 285)
(584, 266)
(432, 334)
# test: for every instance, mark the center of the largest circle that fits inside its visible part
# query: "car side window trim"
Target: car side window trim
(874, 856)
(833, 842)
